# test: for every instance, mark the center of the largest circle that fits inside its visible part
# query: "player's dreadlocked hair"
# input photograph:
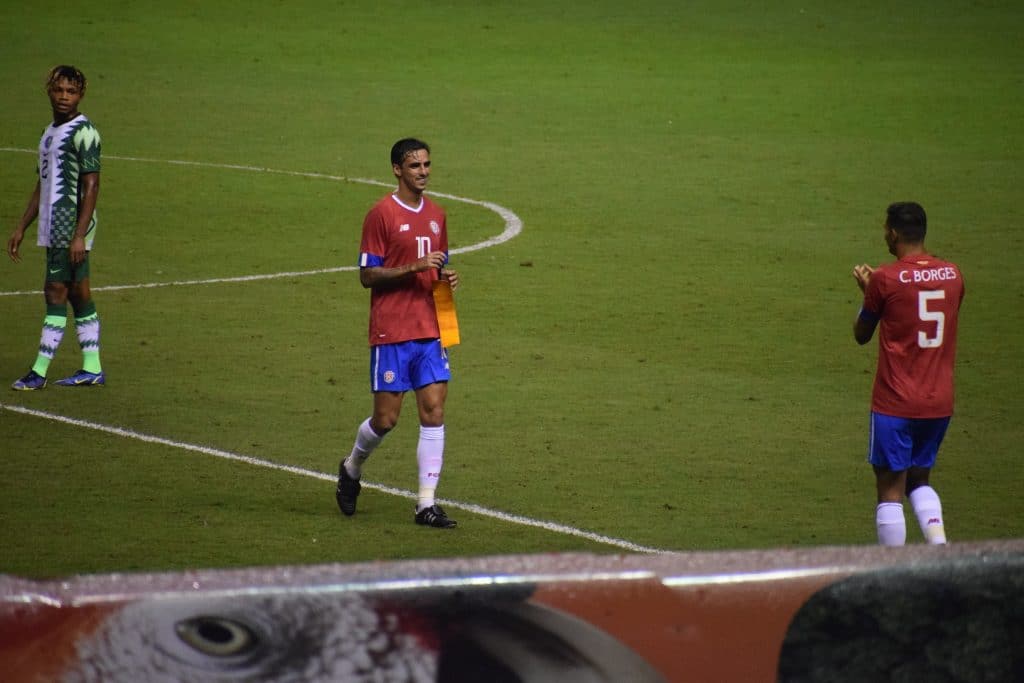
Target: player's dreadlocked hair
(65, 71)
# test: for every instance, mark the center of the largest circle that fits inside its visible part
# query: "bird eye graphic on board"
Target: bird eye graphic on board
(431, 637)
(216, 636)
(271, 638)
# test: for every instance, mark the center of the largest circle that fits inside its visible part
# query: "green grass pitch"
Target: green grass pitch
(663, 355)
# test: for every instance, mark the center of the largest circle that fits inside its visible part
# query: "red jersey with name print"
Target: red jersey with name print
(393, 235)
(917, 301)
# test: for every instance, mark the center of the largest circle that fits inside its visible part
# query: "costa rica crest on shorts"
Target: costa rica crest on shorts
(389, 376)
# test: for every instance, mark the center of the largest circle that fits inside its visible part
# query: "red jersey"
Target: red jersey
(394, 235)
(917, 300)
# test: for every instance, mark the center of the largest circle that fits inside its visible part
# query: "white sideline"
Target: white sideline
(291, 469)
(513, 224)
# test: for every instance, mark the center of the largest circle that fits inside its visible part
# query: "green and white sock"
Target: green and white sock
(53, 332)
(87, 325)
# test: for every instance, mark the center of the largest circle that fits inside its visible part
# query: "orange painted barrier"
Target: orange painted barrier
(835, 614)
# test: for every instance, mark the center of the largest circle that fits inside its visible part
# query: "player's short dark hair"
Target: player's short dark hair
(908, 219)
(68, 72)
(404, 147)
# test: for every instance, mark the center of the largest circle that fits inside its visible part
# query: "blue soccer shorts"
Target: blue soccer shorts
(408, 365)
(899, 443)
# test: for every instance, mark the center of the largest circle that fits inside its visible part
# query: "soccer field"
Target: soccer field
(656, 210)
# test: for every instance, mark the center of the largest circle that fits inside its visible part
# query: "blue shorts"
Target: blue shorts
(408, 365)
(899, 443)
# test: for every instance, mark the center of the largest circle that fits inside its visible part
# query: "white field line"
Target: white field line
(513, 224)
(291, 469)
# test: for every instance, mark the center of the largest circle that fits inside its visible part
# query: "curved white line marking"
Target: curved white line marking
(513, 224)
(291, 469)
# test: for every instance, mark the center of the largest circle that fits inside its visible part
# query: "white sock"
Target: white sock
(892, 528)
(928, 509)
(430, 458)
(366, 441)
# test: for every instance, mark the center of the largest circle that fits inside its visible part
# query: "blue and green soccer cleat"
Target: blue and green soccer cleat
(83, 379)
(30, 382)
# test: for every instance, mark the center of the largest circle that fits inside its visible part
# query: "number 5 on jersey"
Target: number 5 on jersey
(937, 317)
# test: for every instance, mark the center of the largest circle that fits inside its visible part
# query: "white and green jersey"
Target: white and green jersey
(66, 152)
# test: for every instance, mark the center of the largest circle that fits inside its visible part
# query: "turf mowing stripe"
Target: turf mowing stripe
(291, 469)
(513, 224)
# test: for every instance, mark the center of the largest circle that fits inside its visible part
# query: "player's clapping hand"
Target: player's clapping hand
(862, 274)
(452, 277)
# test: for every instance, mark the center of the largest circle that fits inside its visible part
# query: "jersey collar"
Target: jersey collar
(416, 209)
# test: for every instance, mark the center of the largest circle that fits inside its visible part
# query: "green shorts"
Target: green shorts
(59, 268)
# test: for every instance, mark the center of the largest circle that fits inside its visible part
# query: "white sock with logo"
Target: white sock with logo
(928, 509)
(430, 458)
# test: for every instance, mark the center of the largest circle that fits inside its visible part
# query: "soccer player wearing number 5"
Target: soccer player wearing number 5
(64, 201)
(915, 302)
(403, 251)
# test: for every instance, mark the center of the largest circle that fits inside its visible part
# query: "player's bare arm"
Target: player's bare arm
(379, 276)
(90, 193)
(31, 211)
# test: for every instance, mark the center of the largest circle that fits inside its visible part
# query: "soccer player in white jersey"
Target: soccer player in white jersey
(64, 202)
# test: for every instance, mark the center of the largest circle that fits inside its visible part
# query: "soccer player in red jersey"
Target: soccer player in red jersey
(404, 249)
(915, 302)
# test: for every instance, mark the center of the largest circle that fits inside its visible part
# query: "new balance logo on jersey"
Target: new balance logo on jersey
(404, 227)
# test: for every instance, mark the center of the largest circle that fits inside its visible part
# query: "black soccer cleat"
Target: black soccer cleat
(348, 491)
(434, 516)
